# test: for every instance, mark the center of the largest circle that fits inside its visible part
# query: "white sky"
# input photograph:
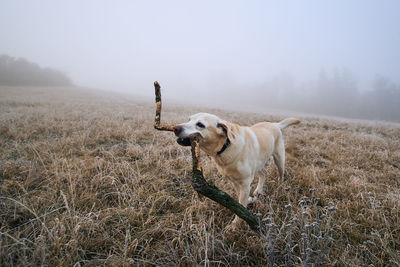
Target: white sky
(187, 45)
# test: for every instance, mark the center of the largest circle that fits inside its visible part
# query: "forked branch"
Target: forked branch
(199, 184)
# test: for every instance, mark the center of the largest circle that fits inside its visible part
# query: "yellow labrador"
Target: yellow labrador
(239, 151)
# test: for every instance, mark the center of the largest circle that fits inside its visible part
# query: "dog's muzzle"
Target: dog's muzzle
(182, 141)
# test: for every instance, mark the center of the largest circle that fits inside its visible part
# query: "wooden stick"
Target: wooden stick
(157, 119)
(199, 184)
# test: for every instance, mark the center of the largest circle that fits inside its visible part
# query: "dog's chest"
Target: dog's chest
(237, 171)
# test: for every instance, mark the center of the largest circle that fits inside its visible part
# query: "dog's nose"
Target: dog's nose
(178, 129)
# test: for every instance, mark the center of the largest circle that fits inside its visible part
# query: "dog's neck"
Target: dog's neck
(225, 146)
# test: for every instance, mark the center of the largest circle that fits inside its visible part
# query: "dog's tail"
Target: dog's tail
(287, 122)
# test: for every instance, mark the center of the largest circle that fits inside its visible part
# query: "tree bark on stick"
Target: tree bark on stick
(157, 119)
(200, 185)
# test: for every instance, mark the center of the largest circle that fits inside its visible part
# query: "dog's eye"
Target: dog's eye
(199, 124)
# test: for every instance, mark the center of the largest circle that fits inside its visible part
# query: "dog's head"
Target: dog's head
(212, 130)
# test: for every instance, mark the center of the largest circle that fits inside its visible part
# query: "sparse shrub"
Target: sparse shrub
(293, 241)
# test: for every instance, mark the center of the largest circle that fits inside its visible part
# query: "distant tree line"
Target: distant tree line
(19, 71)
(334, 93)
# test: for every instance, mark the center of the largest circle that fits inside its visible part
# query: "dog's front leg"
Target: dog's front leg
(244, 192)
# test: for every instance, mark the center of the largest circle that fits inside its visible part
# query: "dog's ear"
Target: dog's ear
(227, 130)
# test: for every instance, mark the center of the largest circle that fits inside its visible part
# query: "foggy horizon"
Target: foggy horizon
(213, 52)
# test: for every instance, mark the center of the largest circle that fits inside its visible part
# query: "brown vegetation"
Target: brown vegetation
(84, 178)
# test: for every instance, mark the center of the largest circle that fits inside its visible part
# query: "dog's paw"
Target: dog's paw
(251, 199)
(258, 192)
(232, 227)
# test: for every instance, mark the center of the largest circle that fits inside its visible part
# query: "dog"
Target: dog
(239, 151)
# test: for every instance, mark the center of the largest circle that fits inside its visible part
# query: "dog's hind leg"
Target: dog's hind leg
(279, 156)
(260, 187)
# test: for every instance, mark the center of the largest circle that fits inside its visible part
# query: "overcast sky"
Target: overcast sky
(187, 45)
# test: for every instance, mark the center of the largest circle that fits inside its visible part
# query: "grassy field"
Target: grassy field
(86, 180)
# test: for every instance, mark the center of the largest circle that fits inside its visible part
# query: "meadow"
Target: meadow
(86, 180)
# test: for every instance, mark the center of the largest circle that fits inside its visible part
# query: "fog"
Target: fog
(331, 57)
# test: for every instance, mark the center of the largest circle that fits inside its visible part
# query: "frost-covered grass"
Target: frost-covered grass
(85, 179)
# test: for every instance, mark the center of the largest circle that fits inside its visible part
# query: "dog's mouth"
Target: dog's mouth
(186, 141)
(183, 141)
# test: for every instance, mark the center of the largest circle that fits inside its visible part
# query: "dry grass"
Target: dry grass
(85, 180)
